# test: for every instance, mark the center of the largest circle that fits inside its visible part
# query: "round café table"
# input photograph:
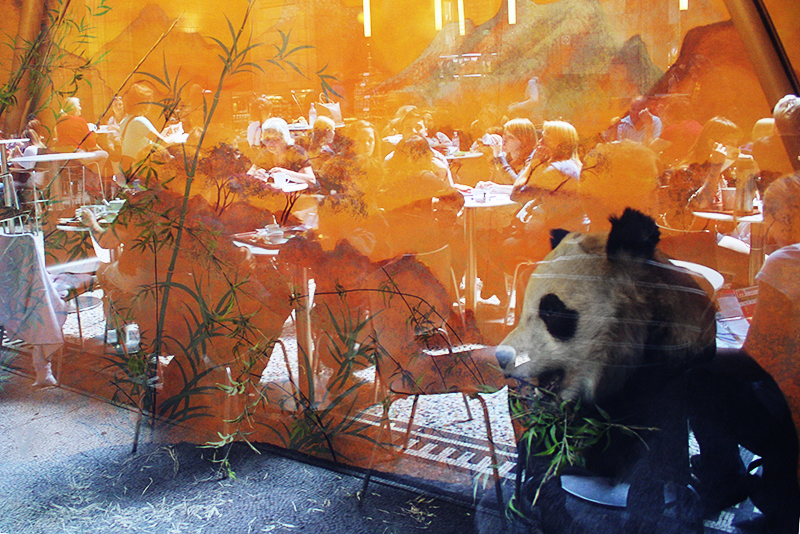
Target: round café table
(713, 277)
(756, 221)
(292, 190)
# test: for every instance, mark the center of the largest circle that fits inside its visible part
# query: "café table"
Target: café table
(105, 216)
(713, 277)
(461, 156)
(473, 201)
(57, 157)
(30, 307)
(756, 221)
(301, 280)
(292, 190)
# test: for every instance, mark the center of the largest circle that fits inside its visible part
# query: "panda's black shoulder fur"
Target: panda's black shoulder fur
(556, 236)
(632, 234)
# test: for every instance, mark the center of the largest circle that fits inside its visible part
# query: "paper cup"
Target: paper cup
(728, 197)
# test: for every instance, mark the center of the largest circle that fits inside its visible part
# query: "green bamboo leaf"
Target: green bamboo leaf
(232, 30)
(297, 49)
(224, 48)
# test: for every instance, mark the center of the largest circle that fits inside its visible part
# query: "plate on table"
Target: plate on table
(293, 187)
(260, 240)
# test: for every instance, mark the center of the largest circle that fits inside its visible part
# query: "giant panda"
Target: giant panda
(610, 322)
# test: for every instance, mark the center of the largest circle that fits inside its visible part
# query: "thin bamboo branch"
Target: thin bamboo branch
(136, 68)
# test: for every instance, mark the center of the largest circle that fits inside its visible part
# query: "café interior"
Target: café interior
(324, 225)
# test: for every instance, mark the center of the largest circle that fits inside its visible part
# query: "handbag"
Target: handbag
(330, 109)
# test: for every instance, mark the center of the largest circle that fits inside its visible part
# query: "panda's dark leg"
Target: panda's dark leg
(719, 471)
(662, 466)
(735, 402)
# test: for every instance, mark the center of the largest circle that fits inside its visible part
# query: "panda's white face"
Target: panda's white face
(587, 322)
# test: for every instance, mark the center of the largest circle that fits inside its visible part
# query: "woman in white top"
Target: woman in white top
(774, 336)
(287, 157)
(139, 137)
(548, 186)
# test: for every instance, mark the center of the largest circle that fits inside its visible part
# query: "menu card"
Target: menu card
(736, 308)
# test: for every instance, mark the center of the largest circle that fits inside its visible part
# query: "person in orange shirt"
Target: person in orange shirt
(73, 134)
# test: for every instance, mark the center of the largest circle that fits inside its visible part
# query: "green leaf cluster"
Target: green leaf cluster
(561, 430)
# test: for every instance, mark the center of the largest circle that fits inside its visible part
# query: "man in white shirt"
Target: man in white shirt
(639, 125)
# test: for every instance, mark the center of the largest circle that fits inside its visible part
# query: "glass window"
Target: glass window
(329, 225)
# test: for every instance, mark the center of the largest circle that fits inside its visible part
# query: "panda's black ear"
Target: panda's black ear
(632, 234)
(556, 236)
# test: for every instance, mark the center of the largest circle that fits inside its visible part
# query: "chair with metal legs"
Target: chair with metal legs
(415, 355)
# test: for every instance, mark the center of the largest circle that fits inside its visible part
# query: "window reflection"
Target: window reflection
(336, 202)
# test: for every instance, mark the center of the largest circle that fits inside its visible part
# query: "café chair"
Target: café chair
(71, 284)
(74, 189)
(415, 355)
(38, 201)
(519, 283)
(76, 278)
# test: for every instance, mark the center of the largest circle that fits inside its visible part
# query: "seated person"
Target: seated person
(615, 176)
(735, 403)
(679, 133)
(350, 181)
(513, 151)
(697, 183)
(787, 121)
(283, 155)
(395, 130)
(548, 189)
(412, 123)
(140, 139)
(320, 145)
(776, 154)
(234, 285)
(73, 133)
(413, 173)
(639, 124)
(774, 336)
(417, 201)
(26, 177)
(260, 111)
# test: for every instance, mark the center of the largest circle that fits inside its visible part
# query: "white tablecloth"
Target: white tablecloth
(30, 307)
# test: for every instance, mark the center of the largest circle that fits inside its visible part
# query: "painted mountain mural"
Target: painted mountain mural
(587, 75)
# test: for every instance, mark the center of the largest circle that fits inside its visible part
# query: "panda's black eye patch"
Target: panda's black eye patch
(560, 321)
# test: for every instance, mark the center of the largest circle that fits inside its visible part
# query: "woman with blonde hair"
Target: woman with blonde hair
(548, 189)
(512, 152)
(320, 142)
(555, 166)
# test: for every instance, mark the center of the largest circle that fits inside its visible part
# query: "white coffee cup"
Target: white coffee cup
(279, 179)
